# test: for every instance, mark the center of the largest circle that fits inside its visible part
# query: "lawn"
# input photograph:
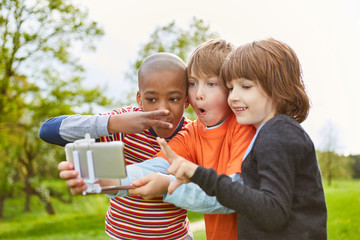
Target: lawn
(343, 203)
(84, 218)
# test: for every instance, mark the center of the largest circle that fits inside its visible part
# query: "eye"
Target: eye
(151, 100)
(174, 99)
(246, 86)
(192, 84)
(211, 84)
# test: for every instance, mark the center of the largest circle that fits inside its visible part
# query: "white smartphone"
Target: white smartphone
(108, 158)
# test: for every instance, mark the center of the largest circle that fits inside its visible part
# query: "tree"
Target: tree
(39, 77)
(355, 161)
(173, 39)
(332, 164)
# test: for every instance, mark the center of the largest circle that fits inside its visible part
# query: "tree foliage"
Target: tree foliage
(40, 77)
(355, 162)
(334, 166)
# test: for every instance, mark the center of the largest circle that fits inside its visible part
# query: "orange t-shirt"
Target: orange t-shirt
(221, 148)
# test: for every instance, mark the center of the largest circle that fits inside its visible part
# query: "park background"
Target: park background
(63, 57)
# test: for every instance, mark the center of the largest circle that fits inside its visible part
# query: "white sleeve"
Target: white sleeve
(75, 126)
(191, 197)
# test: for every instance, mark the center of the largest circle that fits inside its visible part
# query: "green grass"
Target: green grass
(84, 218)
(343, 203)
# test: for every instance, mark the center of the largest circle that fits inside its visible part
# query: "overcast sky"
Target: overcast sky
(324, 33)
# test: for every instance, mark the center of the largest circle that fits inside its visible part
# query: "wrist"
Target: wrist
(165, 180)
(114, 124)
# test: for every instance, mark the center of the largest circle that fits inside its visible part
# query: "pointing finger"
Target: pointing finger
(174, 185)
(170, 154)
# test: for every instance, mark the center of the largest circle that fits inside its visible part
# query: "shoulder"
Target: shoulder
(285, 131)
(188, 124)
(282, 124)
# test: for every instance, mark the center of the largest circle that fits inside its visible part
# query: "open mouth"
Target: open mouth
(202, 111)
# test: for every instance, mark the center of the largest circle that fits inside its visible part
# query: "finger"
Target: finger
(78, 190)
(65, 165)
(140, 182)
(161, 124)
(158, 113)
(174, 167)
(169, 153)
(76, 183)
(68, 174)
(142, 191)
(133, 191)
(174, 185)
(136, 191)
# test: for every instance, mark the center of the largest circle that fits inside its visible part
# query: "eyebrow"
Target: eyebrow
(170, 92)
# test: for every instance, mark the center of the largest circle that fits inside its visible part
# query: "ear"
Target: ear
(186, 102)
(138, 99)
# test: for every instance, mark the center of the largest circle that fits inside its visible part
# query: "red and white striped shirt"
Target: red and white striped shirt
(132, 217)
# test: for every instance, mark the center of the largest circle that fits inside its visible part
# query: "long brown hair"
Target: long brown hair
(275, 66)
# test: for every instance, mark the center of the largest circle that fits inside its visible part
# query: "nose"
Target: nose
(200, 93)
(232, 97)
(163, 105)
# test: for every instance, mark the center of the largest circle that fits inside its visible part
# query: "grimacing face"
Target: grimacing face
(164, 90)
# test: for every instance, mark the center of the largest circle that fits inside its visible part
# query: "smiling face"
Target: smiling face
(163, 90)
(208, 97)
(249, 102)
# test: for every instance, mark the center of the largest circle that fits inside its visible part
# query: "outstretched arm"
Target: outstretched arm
(134, 172)
(64, 129)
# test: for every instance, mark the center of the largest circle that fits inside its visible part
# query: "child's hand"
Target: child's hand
(181, 168)
(67, 172)
(151, 186)
(136, 122)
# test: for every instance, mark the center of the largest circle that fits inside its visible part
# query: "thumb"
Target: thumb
(140, 182)
(174, 185)
(169, 153)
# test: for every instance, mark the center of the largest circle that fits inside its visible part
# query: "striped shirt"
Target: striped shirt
(132, 217)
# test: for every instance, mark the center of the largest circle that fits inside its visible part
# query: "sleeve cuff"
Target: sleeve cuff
(102, 125)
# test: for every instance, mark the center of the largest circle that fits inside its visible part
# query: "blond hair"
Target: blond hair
(208, 57)
(275, 66)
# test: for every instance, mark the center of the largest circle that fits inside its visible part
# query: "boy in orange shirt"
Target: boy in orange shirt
(214, 140)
